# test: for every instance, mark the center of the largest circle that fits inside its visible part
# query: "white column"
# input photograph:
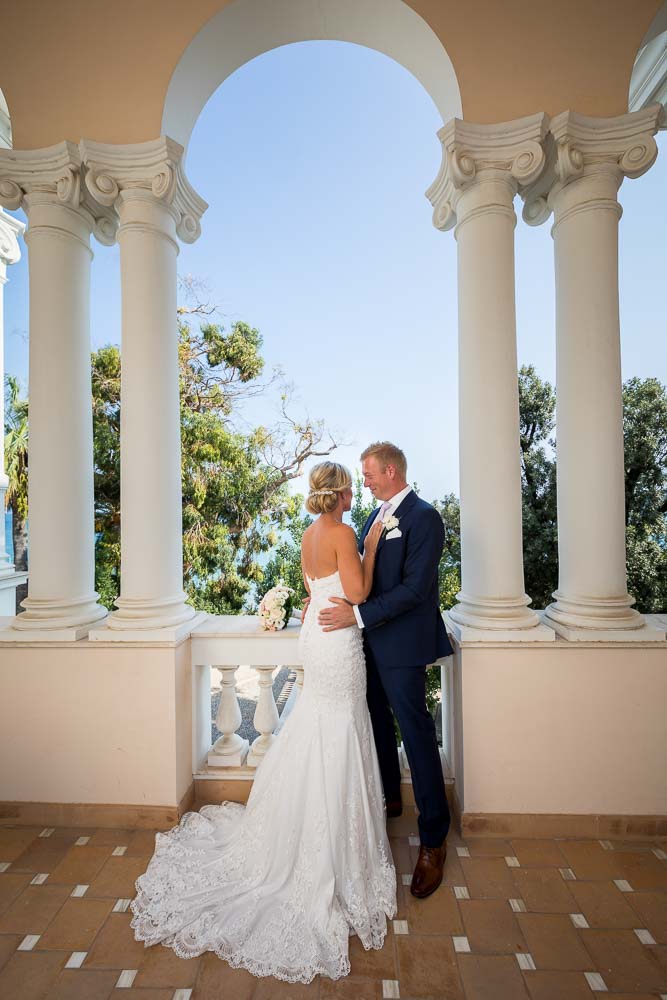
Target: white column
(61, 603)
(482, 168)
(588, 160)
(10, 253)
(155, 204)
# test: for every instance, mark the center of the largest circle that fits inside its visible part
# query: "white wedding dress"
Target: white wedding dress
(277, 886)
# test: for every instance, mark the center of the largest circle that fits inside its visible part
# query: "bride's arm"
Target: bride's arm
(356, 575)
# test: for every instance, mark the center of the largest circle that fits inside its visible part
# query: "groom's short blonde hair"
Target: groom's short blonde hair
(387, 454)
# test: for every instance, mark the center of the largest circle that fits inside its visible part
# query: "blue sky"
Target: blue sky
(319, 234)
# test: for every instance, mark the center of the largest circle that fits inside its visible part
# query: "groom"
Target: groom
(403, 632)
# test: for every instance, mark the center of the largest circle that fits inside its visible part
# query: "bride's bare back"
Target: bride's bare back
(328, 546)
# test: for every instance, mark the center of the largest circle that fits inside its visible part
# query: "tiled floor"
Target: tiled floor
(514, 920)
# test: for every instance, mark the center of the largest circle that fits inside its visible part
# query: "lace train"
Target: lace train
(276, 887)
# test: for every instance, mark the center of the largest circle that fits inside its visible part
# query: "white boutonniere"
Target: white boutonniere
(390, 523)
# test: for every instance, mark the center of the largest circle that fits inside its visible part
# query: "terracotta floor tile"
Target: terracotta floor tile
(652, 909)
(558, 985)
(453, 873)
(15, 841)
(553, 941)
(216, 980)
(437, 914)
(642, 870)
(12, 886)
(350, 989)
(623, 962)
(488, 878)
(111, 837)
(8, 945)
(162, 967)
(141, 844)
(589, 860)
(115, 946)
(131, 994)
(374, 963)
(491, 927)
(405, 825)
(488, 847)
(29, 975)
(81, 864)
(82, 984)
(116, 879)
(42, 855)
(402, 894)
(603, 904)
(400, 850)
(68, 834)
(275, 989)
(427, 967)
(543, 890)
(34, 909)
(492, 977)
(538, 853)
(77, 923)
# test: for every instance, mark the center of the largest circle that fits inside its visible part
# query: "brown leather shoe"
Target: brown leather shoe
(394, 808)
(428, 870)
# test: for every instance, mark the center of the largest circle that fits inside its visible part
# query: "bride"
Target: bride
(276, 887)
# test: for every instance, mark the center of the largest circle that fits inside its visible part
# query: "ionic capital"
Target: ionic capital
(154, 168)
(579, 146)
(10, 230)
(52, 175)
(512, 151)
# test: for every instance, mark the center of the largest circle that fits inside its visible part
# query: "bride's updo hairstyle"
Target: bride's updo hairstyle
(326, 481)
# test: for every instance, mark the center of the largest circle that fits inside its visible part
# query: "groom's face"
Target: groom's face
(379, 479)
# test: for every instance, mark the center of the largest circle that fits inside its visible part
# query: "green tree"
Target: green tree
(236, 500)
(16, 464)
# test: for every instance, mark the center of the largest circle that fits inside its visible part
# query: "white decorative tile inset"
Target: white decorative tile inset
(568, 874)
(596, 982)
(644, 936)
(81, 841)
(461, 943)
(121, 906)
(126, 978)
(413, 841)
(463, 852)
(623, 885)
(118, 852)
(182, 995)
(29, 942)
(461, 892)
(390, 989)
(578, 919)
(518, 905)
(607, 844)
(659, 853)
(401, 927)
(512, 862)
(47, 831)
(75, 961)
(406, 879)
(79, 890)
(39, 879)
(4, 865)
(525, 959)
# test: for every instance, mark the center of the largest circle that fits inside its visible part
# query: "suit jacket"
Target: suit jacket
(402, 621)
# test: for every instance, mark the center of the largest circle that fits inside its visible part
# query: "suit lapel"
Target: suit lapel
(406, 504)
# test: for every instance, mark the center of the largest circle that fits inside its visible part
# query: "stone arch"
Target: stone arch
(247, 28)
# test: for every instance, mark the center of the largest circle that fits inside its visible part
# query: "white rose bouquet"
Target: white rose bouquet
(275, 608)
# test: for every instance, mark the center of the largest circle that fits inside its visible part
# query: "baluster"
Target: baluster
(299, 680)
(266, 716)
(230, 749)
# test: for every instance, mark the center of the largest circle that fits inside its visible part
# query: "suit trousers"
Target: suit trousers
(402, 691)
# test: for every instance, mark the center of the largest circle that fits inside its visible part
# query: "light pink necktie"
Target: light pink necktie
(383, 510)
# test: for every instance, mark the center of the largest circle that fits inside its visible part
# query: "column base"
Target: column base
(138, 614)
(646, 633)
(151, 635)
(576, 618)
(51, 621)
(496, 615)
(541, 632)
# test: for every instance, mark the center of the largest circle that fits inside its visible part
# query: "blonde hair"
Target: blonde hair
(327, 480)
(387, 454)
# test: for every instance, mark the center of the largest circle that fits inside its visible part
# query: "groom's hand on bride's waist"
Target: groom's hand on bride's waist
(340, 616)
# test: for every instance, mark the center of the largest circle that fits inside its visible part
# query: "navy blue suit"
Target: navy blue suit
(403, 633)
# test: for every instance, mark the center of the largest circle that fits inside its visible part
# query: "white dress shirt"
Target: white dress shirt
(393, 502)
